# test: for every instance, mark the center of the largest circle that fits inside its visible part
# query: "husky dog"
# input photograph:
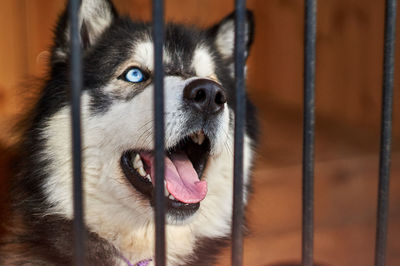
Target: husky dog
(117, 121)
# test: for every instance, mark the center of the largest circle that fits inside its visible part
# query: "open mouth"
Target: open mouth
(184, 166)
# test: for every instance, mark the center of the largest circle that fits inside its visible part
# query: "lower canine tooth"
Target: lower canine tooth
(141, 171)
(171, 197)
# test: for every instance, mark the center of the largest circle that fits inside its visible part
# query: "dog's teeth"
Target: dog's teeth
(148, 177)
(137, 163)
(141, 171)
(166, 192)
(171, 197)
(200, 137)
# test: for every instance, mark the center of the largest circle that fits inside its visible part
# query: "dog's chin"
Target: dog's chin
(192, 152)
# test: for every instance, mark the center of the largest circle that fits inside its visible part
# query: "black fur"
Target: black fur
(48, 241)
(206, 251)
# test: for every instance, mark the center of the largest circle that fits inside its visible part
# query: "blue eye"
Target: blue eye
(135, 75)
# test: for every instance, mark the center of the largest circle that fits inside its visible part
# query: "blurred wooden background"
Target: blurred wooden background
(348, 87)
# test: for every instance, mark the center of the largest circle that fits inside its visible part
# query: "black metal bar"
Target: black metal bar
(240, 120)
(158, 37)
(76, 85)
(308, 132)
(386, 132)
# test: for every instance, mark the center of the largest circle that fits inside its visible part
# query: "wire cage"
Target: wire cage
(308, 132)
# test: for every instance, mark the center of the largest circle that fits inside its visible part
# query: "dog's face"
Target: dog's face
(118, 124)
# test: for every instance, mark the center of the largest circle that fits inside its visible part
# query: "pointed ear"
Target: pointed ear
(223, 35)
(95, 16)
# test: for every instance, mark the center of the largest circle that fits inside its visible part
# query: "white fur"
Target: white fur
(97, 14)
(203, 63)
(225, 40)
(144, 55)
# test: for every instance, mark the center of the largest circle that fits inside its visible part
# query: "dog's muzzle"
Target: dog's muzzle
(184, 186)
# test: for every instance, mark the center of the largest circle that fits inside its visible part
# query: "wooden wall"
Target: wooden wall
(349, 53)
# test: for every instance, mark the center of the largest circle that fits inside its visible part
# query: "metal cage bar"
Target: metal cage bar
(386, 132)
(308, 132)
(76, 86)
(240, 121)
(158, 37)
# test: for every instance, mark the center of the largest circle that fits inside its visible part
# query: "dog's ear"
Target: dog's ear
(95, 16)
(223, 35)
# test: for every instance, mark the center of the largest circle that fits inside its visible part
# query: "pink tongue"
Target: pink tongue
(182, 180)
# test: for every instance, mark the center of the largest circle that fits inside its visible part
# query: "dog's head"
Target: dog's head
(118, 119)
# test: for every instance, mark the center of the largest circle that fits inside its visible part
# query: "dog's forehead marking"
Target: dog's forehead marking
(202, 62)
(144, 55)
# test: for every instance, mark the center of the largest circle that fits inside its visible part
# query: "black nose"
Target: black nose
(204, 95)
